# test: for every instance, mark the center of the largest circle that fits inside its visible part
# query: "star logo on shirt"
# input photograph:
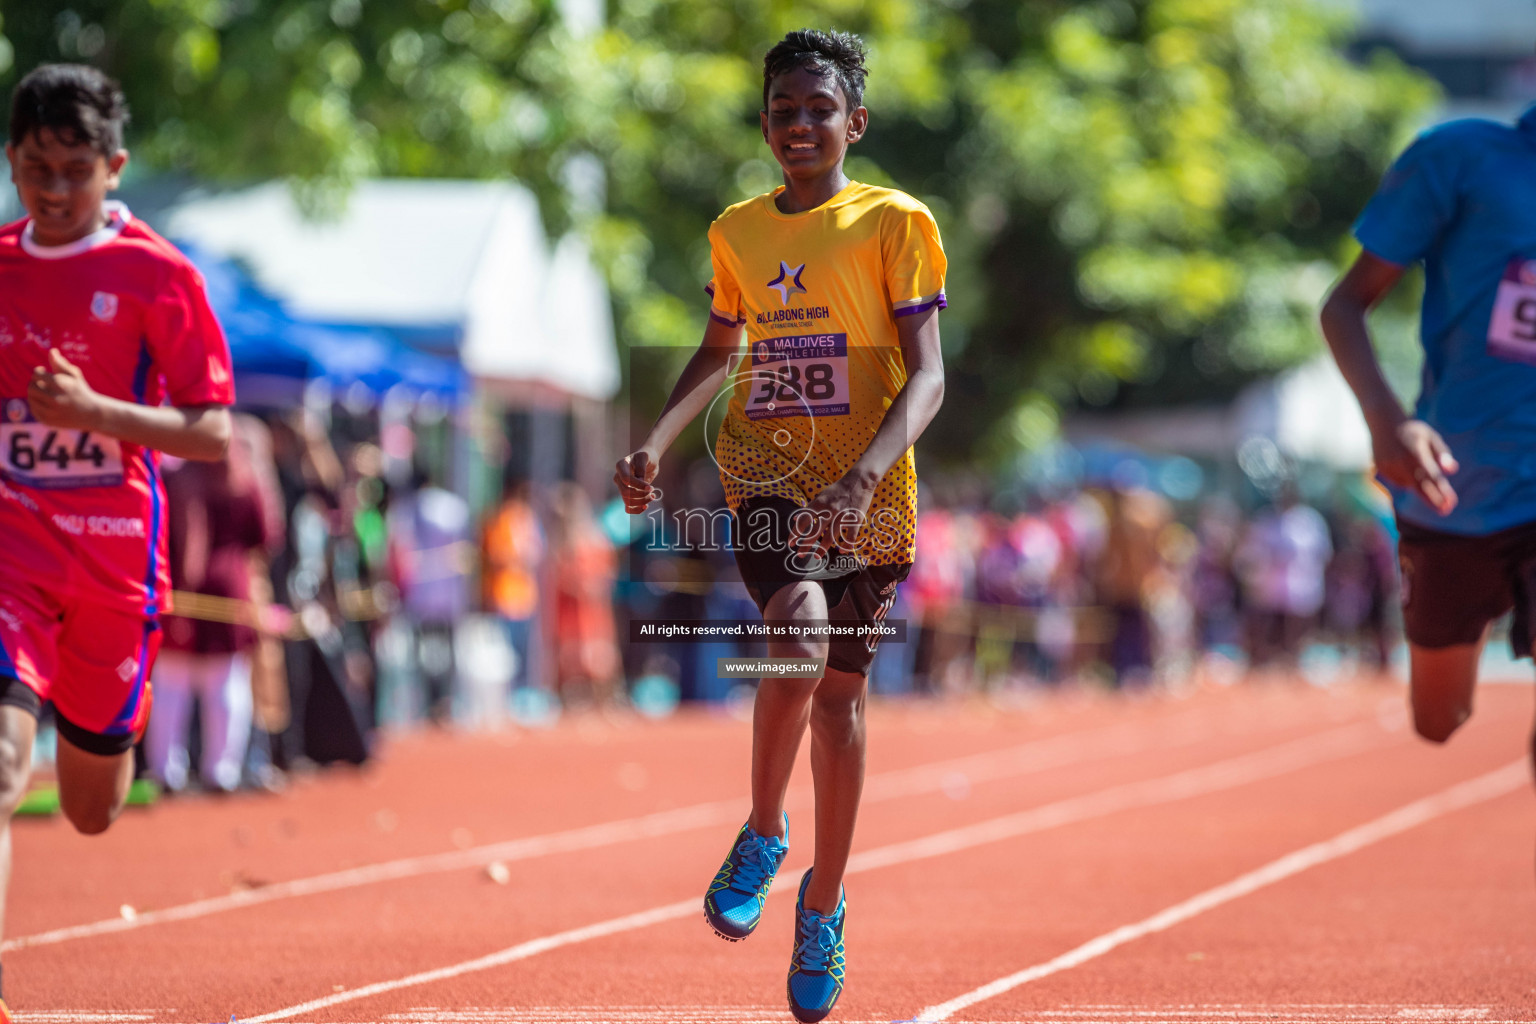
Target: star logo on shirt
(788, 282)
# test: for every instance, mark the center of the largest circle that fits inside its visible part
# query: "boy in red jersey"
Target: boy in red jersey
(109, 354)
(838, 285)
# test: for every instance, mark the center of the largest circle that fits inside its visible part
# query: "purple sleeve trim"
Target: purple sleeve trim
(938, 302)
(717, 318)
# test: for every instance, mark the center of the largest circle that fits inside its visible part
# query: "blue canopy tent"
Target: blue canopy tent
(276, 355)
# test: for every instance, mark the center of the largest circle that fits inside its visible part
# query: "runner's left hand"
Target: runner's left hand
(842, 511)
(59, 396)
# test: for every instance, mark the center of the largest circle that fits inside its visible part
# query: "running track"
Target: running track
(1269, 853)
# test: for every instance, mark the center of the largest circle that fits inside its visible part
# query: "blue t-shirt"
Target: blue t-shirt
(1462, 198)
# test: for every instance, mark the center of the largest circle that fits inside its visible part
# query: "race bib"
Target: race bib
(1512, 329)
(804, 375)
(37, 455)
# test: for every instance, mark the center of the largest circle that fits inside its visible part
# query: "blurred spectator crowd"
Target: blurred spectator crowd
(1116, 586)
(322, 593)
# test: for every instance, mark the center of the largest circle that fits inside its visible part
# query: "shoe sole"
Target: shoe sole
(717, 931)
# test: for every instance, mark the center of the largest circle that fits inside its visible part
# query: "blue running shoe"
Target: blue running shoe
(734, 903)
(816, 968)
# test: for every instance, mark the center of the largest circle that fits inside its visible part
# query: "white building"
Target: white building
(460, 268)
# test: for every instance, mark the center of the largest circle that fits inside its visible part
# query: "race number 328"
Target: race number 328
(803, 375)
(1512, 329)
(38, 455)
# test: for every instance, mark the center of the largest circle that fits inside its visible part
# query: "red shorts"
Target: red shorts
(91, 660)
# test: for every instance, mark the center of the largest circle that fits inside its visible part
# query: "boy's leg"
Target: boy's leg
(837, 766)
(837, 726)
(1441, 681)
(92, 787)
(1454, 587)
(29, 626)
(783, 707)
(18, 728)
(102, 702)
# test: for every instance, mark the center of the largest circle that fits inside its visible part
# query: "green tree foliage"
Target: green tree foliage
(1142, 199)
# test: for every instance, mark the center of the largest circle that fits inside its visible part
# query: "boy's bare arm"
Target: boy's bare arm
(696, 387)
(1408, 452)
(60, 397)
(910, 413)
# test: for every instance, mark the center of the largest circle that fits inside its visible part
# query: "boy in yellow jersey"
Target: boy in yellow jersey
(838, 286)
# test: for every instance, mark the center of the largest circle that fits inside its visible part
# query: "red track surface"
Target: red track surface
(1096, 813)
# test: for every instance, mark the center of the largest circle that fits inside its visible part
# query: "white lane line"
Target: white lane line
(521, 951)
(1237, 771)
(1475, 791)
(1083, 1013)
(1278, 1014)
(778, 1017)
(1295, 1011)
(1026, 758)
(1080, 1014)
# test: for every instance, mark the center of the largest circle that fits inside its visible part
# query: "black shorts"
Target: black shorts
(860, 596)
(1455, 585)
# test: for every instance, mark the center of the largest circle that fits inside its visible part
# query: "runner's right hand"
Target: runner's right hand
(59, 396)
(633, 475)
(1415, 457)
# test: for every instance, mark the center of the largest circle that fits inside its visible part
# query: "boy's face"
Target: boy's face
(62, 185)
(808, 124)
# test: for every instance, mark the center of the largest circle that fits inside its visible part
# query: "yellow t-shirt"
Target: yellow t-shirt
(819, 293)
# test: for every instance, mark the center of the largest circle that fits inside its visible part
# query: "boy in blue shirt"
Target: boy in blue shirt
(1462, 467)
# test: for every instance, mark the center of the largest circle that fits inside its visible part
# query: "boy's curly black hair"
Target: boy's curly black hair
(839, 54)
(76, 102)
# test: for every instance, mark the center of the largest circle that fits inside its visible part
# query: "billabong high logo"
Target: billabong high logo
(788, 282)
(104, 306)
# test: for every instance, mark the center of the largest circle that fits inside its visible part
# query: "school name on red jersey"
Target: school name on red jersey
(16, 496)
(800, 313)
(101, 526)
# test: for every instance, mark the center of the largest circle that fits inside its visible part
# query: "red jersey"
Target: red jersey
(82, 515)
